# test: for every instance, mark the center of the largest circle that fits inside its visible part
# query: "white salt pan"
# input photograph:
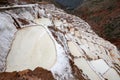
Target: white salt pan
(31, 48)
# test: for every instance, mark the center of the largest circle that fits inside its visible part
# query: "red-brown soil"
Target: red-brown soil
(104, 18)
(37, 74)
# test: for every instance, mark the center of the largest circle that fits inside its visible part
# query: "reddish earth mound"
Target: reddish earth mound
(37, 74)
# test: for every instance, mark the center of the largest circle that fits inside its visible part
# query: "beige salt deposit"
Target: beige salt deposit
(83, 64)
(74, 49)
(43, 21)
(111, 74)
(31, 48)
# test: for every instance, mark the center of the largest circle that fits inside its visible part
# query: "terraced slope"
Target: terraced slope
(64, 45)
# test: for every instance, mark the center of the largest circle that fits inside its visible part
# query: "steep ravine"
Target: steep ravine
(42, 42)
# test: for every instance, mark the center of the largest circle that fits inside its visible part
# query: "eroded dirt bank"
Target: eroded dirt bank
(37, 74)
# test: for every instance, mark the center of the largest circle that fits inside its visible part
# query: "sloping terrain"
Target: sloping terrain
(41, 35)
(104, 17)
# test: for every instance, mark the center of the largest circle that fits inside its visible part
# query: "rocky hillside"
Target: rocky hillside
(64, 46)
(103, 16)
